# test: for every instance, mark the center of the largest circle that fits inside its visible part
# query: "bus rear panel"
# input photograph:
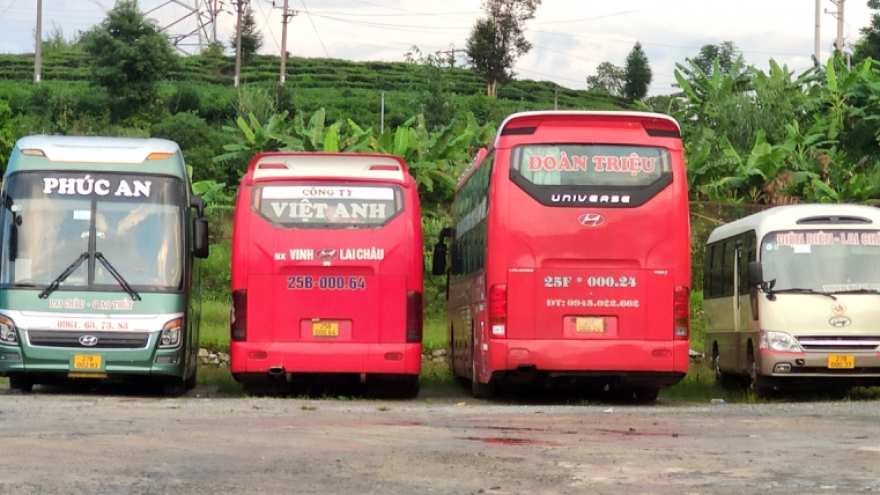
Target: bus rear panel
(327, 270)
(587, 271)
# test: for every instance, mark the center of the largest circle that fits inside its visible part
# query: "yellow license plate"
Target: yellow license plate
(841, 362)
(86, 362)
(325, 329)
(589, 325)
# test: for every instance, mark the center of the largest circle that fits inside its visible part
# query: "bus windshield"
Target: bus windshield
(591, 165)
(822, 260)
(75, 231)
(328, 206)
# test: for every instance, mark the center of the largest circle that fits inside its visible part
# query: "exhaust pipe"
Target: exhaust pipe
(276, 371)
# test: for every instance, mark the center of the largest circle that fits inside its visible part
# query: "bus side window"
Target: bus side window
(727, 274)
(707, 272)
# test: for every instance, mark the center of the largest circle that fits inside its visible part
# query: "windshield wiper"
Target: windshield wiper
(803, 291)
(127, 288)
(66, 273)
(858, 291)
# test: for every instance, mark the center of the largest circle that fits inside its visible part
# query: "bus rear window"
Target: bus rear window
(328, 206)
(591, 165)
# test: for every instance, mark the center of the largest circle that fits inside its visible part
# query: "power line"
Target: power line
(312, 21)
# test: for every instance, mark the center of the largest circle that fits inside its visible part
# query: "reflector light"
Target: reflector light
(238, 316)
(158, 156)
(681, 313)
(393, 356)
(258, 355)
(33, 152)
(662, 125)
(272, 166)
(498, 310)
(414, 317)
(661, 353)
(387, 168)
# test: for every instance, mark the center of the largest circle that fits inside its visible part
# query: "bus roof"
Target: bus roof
(300, 165)
(800, 216)
(526, 120)
(95, 149)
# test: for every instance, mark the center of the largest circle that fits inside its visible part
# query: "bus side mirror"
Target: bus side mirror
(12, 249)
(198, 203)
(438, 266)
(200, 237)
(756, 274)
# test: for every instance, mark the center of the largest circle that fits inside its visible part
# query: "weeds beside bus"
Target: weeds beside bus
(327, 273)
(96, 264)
(791, 299)
(569, 258)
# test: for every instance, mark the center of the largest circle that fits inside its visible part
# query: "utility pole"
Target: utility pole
(817, 35)
(38, 51)
(838, 44)
(286, 15)
(451, 55)
(239, 7)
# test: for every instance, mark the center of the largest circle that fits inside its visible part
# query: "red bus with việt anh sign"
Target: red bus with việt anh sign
(327, 272)
(569, 256)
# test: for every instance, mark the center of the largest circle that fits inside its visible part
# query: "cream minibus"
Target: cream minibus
(792, 298)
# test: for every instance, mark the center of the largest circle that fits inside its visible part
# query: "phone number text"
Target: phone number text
(593, 303)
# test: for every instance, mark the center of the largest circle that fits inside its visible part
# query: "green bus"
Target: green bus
(98, 237)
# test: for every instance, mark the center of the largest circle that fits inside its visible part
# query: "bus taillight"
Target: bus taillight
(681, 312)
(498, 310)
(238, 315)
(414, 315)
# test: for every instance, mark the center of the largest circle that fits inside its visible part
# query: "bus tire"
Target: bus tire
(723, 380)
(409, 387)
(646, 394)
(21, 383)
(479, 389)
(172, 387)
(757, 383)
(191, 382)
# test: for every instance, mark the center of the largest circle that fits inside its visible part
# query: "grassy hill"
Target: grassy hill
(346, 89)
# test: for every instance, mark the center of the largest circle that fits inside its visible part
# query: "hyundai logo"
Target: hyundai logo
(326, 254)
(88, 340)
(839, 321)
(591, 220)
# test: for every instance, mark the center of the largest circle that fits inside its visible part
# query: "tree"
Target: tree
(609, 79)
(497, 41)
(869, 45)
(129, 56)
(727, 55)
(7, 133)
(251, 37)
(638, 74)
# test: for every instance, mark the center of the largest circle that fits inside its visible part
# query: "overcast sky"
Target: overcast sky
(570, 37)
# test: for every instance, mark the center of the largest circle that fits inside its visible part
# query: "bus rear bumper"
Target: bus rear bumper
(657, 362)
(321, 357)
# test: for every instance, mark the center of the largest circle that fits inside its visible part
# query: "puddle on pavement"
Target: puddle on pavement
(512, 441)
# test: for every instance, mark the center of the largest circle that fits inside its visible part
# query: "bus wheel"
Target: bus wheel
(757, 383)
(723, 380)
(646, 395)
(191, 382)
(478, 389)
(409, 387)
(172, 387)
(21, 383)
